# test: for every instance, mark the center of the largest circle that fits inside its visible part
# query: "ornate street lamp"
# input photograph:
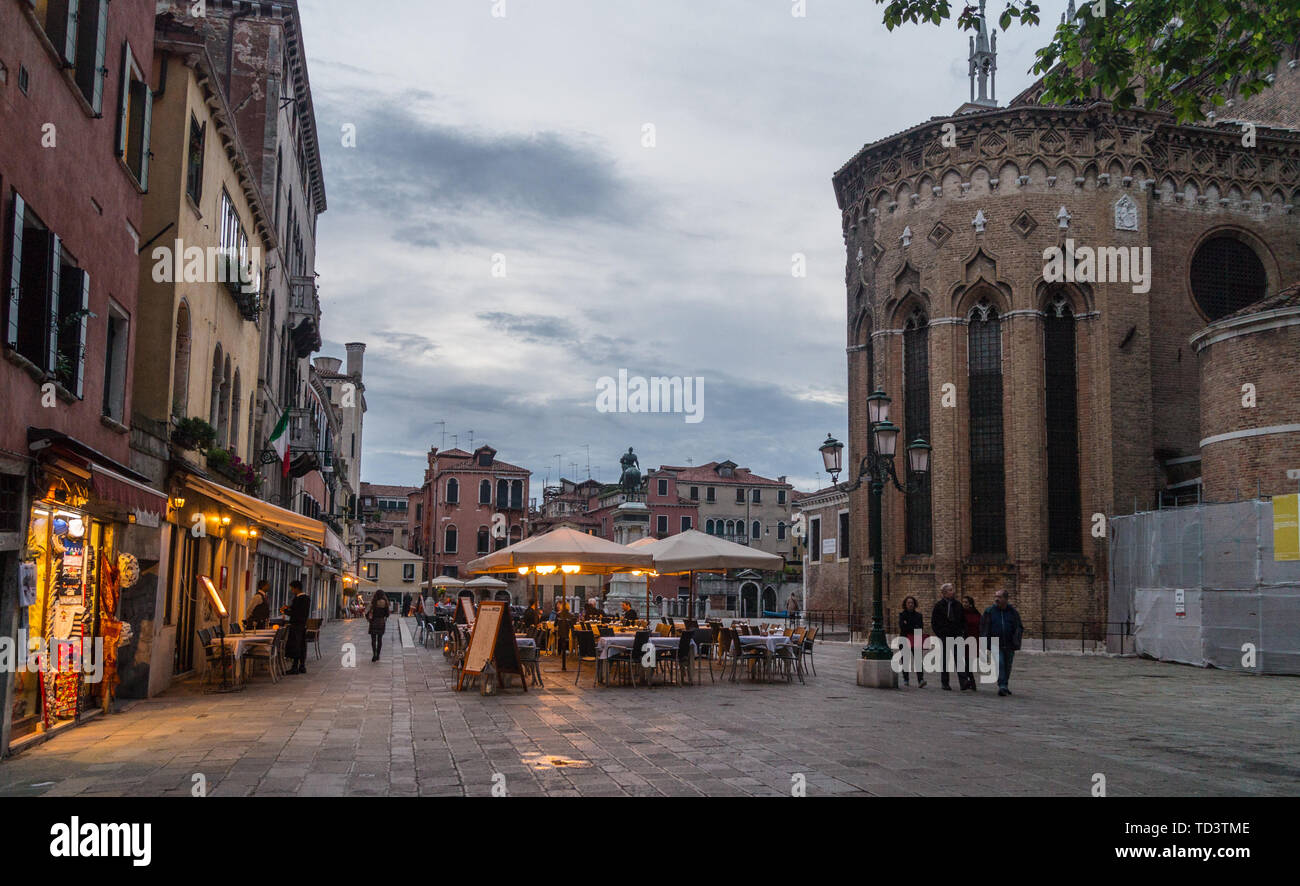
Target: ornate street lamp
(877, 467)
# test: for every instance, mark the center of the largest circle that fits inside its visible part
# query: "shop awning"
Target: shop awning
(112, 486)
(298, 526)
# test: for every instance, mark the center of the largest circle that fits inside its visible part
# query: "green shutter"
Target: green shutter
(101, 58)
(15, 270)
(52, 334)
(80, 369)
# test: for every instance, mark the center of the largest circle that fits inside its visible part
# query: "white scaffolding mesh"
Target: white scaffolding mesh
(1221, 557)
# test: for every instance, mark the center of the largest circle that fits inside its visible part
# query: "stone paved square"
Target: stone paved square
(398, 727)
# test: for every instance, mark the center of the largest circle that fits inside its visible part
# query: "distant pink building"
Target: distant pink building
(463, 493)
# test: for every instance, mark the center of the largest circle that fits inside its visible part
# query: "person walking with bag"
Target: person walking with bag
(1001, 622)
(377, 614)
(909, 623)
(948, 623)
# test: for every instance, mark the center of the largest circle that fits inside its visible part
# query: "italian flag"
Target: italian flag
(280, 442)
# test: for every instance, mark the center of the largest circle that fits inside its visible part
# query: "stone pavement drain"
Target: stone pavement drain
(397, 727)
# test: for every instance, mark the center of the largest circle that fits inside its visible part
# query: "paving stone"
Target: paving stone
(399, 728)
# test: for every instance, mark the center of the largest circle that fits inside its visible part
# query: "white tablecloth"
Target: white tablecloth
(237, 645)
(606, 647)
(772, 643)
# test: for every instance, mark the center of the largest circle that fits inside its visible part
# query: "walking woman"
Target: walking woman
(377, 614)
(910, 622)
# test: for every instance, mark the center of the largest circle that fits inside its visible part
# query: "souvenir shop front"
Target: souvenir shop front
(80, 556)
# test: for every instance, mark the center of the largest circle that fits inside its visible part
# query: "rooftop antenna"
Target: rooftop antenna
(455, 441)
(471, 441)
(558, 476)
(443, 443)
(588, 448)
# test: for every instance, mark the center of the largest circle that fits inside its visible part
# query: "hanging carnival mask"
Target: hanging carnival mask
(129, 567)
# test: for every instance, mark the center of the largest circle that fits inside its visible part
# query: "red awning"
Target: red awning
(126, 492)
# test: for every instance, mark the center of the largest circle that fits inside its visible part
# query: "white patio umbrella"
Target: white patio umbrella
(693, 551)
(442, 581)
(562, 550)
(486, 581)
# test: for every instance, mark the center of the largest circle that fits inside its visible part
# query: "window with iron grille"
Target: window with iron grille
(1064, 527)
(987, 475)
(1227, 276)
(916, 423)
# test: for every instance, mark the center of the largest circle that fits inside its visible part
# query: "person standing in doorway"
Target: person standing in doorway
(1001, 622)
(910, 625)
(948, 623)
(295, 643)
(377, 615)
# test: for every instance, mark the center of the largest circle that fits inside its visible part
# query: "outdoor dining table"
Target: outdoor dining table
(772, 642)
(237, 644)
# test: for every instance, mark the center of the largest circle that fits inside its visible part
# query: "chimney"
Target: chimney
(356, 358)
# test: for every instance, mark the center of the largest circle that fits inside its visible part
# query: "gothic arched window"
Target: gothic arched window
(449, 540)
(916, 423)
(484, 492)
(1064, 529)
(453, 491)
(987, 471)
(484, 540)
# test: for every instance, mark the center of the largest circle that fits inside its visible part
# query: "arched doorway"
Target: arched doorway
(769, 599)
(749, 599)
(502, 595)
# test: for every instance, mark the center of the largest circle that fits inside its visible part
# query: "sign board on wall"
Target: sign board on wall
(1286, 527)
(828, 545)
(1180, 603)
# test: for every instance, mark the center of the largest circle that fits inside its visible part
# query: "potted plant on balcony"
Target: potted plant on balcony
(194, 433)
(219, 459)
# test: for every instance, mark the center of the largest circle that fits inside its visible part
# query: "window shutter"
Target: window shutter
(145, 126)
(101, 55)
(80, 368)
(15, 270)
(62, 31)
(52, 300)
(124, 100)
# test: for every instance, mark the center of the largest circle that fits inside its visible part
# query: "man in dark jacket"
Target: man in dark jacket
(1001, 622)
(260, 606)
(532, 616)
(947, 620)
(295, 644)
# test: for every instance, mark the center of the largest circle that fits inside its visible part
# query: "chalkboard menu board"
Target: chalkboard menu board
(465, 608)
(493, 640)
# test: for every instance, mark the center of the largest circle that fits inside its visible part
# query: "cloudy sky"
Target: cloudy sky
(503, 234)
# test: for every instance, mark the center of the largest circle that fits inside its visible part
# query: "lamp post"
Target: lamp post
(877, 467)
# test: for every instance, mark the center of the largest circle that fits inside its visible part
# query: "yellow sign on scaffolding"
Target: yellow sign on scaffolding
(1286, 527)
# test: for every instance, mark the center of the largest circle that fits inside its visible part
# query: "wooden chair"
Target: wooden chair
(808, 637)
(531, 665)
(587, 652)
(313, 633)
(271, 653)
(704, 641)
